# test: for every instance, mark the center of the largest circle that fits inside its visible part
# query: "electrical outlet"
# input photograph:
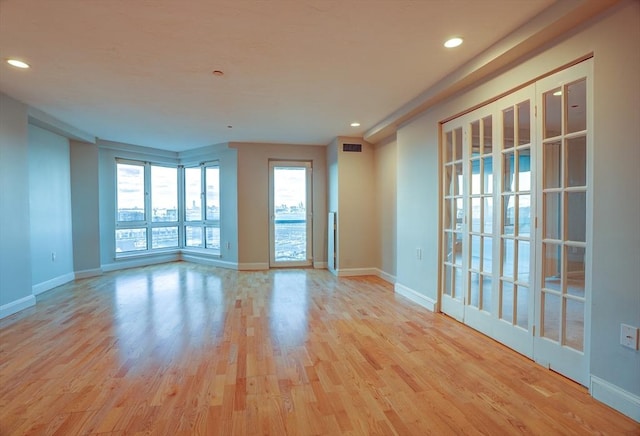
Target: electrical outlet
(419, 253)
(629, 336)
(53, 256)
(228, 245)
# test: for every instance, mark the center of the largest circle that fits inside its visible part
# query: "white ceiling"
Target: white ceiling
(295, 71)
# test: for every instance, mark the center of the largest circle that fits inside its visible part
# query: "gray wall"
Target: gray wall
(50, 209)
(385, 162)
(15, 242)
(84, 208)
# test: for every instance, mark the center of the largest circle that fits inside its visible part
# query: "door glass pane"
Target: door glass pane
(524, 215)
(193, 236)
(475, 138)
(524, 123)
(552, 113)
(508, 172)
(458, 143)
(475, 214)
(290, 215)
(523, 261)
(448, 211)
(551, 313)
(457, 259)
(574, 324)
(131, 240)
(508, 255)
(507, 302)
(552, 162)
(487, 175)
(476, 251)
(577, 161)
(552, 208)
(474, 289)
(552, 267)
(575, 270)
(212, 193)
(448, 243)
(577, 106)
(486, 293)
(508, 218)
(130, 193)
(448, 283)
(449, 181)
(448, 147)
(459, 181)
(457, 284)
(164, 194)
(524, 170)
(164, 237)
(487, 256)
(476, 182)
(576, 216)
(507, 128)
(192, 194)
(487, 135)
(522, 307)
(488, 215)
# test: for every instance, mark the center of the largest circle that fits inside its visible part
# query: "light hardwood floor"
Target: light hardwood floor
(189, 349)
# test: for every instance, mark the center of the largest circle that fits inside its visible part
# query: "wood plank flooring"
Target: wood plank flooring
(187, 349)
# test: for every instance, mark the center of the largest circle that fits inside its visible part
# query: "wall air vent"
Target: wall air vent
(357, 148)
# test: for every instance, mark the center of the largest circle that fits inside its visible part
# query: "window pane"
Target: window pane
(459, 181)
(131, 240)
(164, 194)
(524, 170)
(486, 293)
(476, 252)
(552, 267)
(508, 172)
(552, 162)
(487, 254)
(164, 237)
(487, 135)
(574, 324)
(213, 238)
(551, 312)
(524, 123)
(458, 284)
(552, 113)
(448, 147)
(476, 182)
(458, 143)
(575, 270)
(577, 106)
(576, 216)
(447, 280)
(475, 214)
(488, 175)
(577, 161)
(508, 250)
(508, 121)
(449, 185)
(508, 214)
(524, 215)
(524, 254)
(552, 208)
(475, 138)
(507, 301)
(130, 195)
(193, 236)
(448, 247)
(474, 289)
(522, 307)
(213, 193)
(488, 215)
(192, 194)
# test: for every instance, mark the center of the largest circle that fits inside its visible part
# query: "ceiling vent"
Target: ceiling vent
(356, 148)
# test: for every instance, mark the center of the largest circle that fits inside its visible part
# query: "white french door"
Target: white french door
(290, 226)
(515, 192)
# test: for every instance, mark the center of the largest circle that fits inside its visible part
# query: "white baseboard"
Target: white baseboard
(209, 261)
(134, 262)
(258, 266)
(416, 297)
(53, 283)
(615, 397)
(17, 306)
(352, 272)
(320, 265)
(386, 277)
(88, 273)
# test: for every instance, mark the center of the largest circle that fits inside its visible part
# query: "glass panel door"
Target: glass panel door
(563, 282)
(290, 212)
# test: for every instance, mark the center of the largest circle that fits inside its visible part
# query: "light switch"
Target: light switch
(629, 336)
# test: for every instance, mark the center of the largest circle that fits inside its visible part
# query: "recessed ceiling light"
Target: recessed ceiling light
(18, 64)
(355, 124)
(218, 73)
(453, 42)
